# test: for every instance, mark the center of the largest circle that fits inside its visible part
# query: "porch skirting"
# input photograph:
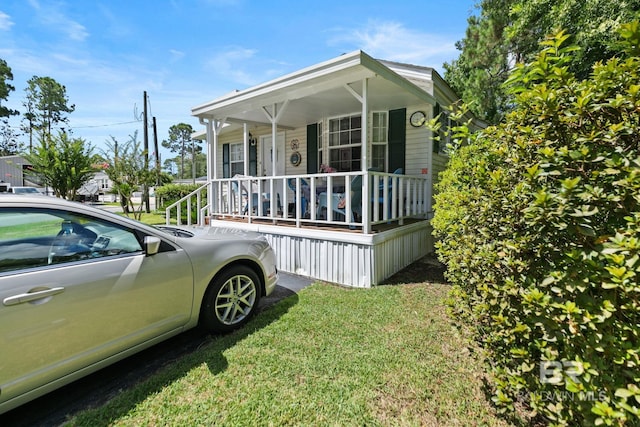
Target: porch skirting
(350, 259)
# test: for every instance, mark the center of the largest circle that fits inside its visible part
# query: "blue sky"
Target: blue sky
(185, 53)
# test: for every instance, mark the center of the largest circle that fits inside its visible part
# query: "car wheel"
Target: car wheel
(230, 300)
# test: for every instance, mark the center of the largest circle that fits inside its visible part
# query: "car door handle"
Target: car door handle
(32, 296)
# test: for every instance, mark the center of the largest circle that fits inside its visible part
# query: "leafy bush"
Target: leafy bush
(168, 194)
(538, 221)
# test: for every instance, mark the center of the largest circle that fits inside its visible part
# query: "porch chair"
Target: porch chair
(389, 183)
(322, 213)
(304, 196)
(356, 201)
(266, 204)
(237, 195)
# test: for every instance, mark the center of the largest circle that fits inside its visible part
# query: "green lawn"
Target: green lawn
(327, 356)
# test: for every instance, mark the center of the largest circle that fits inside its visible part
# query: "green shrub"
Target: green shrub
(538, 222)
(170, 193)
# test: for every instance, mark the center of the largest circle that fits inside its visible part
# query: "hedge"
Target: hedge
(538, 222)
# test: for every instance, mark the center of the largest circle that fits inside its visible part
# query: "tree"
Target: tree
(180, 142)
(9, 144)
(126, 169)
(508, 32)
(46, 106)
(5, 88)
(197, 160)
(62, 163)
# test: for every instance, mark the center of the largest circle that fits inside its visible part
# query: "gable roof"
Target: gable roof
(319, 91)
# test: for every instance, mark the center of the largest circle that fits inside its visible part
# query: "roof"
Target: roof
(322, 90)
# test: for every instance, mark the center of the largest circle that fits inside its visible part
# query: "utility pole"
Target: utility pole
(145, 187)
(155, 146)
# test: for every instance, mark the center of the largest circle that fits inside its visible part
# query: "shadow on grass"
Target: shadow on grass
(427, 269)
(106, 395)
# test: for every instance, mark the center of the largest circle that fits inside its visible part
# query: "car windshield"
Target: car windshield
(25, 190)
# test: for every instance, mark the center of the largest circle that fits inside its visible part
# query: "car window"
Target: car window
(25, 190)
(40, 237)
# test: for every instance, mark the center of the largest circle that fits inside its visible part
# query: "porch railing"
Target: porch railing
(355, 200)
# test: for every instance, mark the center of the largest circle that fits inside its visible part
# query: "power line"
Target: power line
(111, 124)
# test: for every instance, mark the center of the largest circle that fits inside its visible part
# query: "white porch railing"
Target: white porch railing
(354, 199)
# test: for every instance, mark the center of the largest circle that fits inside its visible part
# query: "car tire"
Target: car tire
(231, 299)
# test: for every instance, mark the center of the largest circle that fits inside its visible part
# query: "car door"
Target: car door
(75, 290)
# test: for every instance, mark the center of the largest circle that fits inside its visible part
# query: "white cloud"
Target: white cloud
(50, 16)
(176, 55)
(5, 21)
(393, 41)
(233, 64)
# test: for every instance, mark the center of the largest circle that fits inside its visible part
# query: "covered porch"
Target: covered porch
(354, 228)
(331, 163)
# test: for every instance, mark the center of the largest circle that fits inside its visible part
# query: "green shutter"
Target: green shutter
(226, 166)
(436, 143)
(253, 159)
(397, 139)
(312, 148)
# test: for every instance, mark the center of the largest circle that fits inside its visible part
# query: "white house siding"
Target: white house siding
(11, 170)
(349, 259)
(299, 134)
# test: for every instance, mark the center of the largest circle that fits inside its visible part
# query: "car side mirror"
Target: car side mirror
(151, 245)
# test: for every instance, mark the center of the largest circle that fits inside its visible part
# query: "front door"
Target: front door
(268, 157)
(267, 154)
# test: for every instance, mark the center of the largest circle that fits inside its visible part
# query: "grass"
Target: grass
(326, 356)
(153, 218)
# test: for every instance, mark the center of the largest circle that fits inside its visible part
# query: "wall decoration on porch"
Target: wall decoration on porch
(417, 119)
(295, 144)
(296, 158)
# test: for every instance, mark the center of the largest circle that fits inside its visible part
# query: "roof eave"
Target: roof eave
(357, 60)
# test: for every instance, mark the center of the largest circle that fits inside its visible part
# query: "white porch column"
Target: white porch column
(209, 140)
(366, 205)
(246, 149)
(217, 127)
(364, 158)
(274, 117)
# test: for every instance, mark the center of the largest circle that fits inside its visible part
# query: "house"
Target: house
(12, 172)
(331, 163)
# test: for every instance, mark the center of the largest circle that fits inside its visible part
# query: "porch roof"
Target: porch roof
(317, 91)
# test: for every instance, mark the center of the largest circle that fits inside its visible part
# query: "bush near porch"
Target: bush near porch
(171, 193)
(538, 221)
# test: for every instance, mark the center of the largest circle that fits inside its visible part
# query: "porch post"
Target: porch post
(246, 149)
(274, 117)
(216, 126)
(209, 132)
(366, 199)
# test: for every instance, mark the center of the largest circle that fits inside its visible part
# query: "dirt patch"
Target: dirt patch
(426, 269)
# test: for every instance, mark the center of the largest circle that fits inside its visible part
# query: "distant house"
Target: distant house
(12, 172)
(331, 163)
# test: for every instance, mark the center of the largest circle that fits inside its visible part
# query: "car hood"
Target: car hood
(216, 233)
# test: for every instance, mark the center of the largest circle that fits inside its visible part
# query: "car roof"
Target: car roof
(38, 201)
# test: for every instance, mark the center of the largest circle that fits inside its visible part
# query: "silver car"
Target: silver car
(81, 288)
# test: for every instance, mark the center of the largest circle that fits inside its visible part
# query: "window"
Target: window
(345, 143)
(32, 237)
(236, 158)
(379, 140)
